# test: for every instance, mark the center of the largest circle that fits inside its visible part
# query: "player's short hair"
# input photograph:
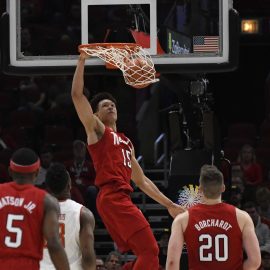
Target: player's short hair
(57, 178)
(211, 181)
(99, 97)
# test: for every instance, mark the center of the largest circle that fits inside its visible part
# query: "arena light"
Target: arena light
(250, 26)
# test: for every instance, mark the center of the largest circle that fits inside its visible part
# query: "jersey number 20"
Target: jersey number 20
(216, 244)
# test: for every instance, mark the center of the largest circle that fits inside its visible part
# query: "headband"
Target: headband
(24, 168)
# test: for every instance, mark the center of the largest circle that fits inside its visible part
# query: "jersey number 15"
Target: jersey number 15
(126, 157)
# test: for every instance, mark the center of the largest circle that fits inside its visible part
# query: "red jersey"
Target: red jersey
(213, 238)
(21, 219)
(253, 174)
(111, 156)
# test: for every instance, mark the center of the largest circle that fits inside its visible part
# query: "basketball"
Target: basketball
(138, 71)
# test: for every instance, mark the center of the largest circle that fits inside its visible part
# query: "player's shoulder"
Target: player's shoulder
(50, 202)
(181, 221)
(241, 213)
(86, 217)
(183, 217)
(243, 218)
(72, 203)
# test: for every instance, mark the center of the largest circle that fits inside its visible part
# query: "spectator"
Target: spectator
(113, 261)
(82, 175)
(32, 96)
(58, 92)
(263, 201)
(237, 177)
(262, 230)
(100, 264)
(237, 189)
(236, 197)
(81, 170)
(46, 158)
(252, 171)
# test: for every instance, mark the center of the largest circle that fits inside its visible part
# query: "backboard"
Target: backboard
(41, 37)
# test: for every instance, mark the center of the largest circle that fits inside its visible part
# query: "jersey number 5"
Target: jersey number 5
(214, 242)
(16, 241)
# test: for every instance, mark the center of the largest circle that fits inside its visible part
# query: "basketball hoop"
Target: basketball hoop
(134, 62)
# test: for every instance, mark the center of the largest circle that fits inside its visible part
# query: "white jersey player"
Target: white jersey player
(76, 224)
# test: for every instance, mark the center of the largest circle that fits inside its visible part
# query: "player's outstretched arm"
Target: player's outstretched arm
(81, 103)
(250, 241)
(51, 233)
(149, 188)
(87, 223)
(176, 243)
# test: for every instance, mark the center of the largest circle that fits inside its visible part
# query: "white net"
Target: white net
(134, 62)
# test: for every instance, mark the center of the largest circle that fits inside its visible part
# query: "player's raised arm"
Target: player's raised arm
(80, 101)
(51, 233)
(83, 107)
(250, 242)
(87, 223)
(149, 188)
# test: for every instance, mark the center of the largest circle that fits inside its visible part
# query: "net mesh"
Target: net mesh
(135, 63)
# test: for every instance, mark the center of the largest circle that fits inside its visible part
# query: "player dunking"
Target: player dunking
(27, 216)
(76, 223)
(215, 233)
(115, 164)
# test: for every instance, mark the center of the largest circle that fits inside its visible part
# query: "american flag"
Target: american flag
(206, 44)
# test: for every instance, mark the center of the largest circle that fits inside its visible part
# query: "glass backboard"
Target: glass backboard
(180, 35)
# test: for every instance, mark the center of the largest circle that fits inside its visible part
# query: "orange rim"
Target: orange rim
(107, 45)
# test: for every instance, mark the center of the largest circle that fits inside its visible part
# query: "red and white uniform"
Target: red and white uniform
(213, 238)
(21, 226)
(111, 156)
